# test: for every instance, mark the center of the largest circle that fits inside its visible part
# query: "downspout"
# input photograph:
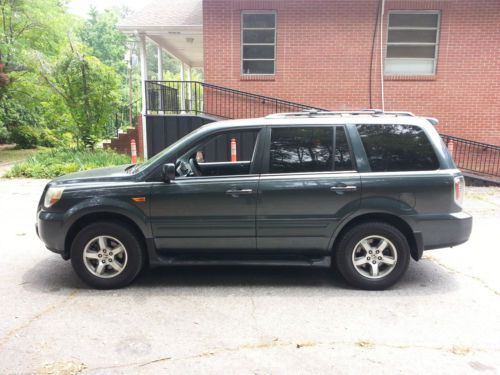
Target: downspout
(382, 8)
(372, 55)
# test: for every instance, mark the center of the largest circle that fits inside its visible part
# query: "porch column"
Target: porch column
(160, 78)
(160, 65)
(183, 91)
(144, 77)
(190, 94)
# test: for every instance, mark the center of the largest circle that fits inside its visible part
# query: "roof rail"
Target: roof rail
(315, 112)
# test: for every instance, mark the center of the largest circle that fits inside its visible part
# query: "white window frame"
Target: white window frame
(243, 28)
(436, 44)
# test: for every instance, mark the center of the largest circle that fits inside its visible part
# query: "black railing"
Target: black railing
(175, 97)
(121, 119)
(474, 156)
(199, 98)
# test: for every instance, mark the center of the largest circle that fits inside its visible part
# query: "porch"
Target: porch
(174, 28)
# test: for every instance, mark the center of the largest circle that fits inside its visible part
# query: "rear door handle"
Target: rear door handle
(344, 188)
(237, 192)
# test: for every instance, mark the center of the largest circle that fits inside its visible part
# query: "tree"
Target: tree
(89, 89)
(27, 27)
(30, 29)
(100, 33)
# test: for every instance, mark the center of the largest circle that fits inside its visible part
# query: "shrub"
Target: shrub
(47, 138)
(57, 162)
(4, 135)
(24, 136)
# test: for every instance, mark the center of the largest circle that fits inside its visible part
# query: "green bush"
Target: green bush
(24, 136)
(4, 135)
(57, 162)
(47, 138)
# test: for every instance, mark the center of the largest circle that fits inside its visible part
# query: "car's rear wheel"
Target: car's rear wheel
(372, 255)
(107, 255)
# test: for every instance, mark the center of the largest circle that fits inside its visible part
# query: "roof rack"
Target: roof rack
(316, 112)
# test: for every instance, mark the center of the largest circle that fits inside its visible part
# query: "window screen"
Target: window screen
(412, 43)
(307, 149)
(258, 37)
(396, 148)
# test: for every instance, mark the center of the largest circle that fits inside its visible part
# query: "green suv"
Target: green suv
(362, 191)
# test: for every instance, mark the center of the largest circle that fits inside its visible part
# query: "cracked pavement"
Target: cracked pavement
(443, 317)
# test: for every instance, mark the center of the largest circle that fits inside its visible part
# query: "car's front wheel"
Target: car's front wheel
(372, 255)
(107, 255)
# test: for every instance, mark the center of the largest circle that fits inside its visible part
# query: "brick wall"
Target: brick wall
(324, 53)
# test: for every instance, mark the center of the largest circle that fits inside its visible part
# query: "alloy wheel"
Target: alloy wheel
(374, 257)
(105, 257)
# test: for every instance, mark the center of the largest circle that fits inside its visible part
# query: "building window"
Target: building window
(258, 42)
(412, 42)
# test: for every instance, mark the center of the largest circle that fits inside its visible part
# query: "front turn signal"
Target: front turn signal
(52, 196)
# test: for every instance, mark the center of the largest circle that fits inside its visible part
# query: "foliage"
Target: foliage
(66, 81)
(57, 162)
(15, 122)
(25, 136)
(56, 92)
(100, 34)
(28, 27)
(89, 89)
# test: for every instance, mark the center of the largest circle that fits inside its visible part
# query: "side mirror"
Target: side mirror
(168, 171)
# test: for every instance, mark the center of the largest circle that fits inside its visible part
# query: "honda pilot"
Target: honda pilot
(364, 192)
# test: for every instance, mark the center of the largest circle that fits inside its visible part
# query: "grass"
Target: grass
(57, 162)
(9, 153)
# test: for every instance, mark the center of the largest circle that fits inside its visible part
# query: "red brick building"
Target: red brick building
(438, 58)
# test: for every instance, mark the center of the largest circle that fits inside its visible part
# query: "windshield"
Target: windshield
(158, 156)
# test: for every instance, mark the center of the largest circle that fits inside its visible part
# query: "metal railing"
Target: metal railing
(194, 97)
(472, 156)
(199, 98)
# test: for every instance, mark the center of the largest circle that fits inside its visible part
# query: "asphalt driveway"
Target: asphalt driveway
(444, 317)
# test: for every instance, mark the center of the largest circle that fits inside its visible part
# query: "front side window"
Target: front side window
(226, 154)
(223, 147)
(412, 41)
(397, 148)
(258, 42)
(307, 149)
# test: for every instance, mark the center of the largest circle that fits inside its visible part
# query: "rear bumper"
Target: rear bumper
(439, 231)
(49, 228)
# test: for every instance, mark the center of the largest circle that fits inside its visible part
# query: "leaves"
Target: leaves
(104, 40)
(89, 89)
(62, 72)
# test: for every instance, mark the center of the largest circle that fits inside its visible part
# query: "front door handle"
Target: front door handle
(344, 188)
(238, 192)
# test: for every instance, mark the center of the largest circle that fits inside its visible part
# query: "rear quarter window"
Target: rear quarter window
(397, 148)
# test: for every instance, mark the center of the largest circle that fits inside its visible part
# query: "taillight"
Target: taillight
(459, 183)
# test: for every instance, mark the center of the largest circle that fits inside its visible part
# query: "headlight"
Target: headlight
(52, 196)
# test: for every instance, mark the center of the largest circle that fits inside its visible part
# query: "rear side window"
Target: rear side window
(397, 148)
(307, 149)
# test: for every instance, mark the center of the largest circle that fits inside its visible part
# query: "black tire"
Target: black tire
(123, 233)
(349, 241)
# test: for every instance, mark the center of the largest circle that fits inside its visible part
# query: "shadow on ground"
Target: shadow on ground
(53, 275)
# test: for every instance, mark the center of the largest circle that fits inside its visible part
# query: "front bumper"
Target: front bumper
(445, 230)
(49, 228)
